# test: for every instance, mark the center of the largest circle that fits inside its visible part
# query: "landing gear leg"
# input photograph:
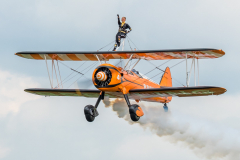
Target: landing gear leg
(90, 111)
(134, 110)
(165, 107)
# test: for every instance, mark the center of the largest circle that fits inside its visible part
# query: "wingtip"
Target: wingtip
(18, 54)
(27, 90)
(222, 51)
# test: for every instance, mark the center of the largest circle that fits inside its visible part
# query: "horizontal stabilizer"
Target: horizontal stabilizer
(201, 53)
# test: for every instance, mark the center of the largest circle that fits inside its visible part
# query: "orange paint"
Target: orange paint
(55, 57)
(139, 112)
(124, 81)
(36, 56)
(91, 57)
(166, 80)
(73, 57)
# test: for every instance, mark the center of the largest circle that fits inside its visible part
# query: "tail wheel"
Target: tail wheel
(165, 107)
(89, 113)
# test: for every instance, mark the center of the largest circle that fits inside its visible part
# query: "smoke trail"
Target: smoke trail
(206, 140)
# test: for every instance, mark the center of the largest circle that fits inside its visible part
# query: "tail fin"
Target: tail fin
(166, 80)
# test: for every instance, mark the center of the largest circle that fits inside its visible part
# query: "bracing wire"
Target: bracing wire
(149, 78)
(178, 81)
(177, 63)
(71, 69)
(149, 71)
(129, 44)
(130, 64)
(59, 74)
(157, 67)
(175, 66)
(132, 42)
(48, 72)
(55, 72)
(94, 64)
(119, 62)
(81, 74)
(68, 79)
(170, 67)
(106, 45)
(110, 48)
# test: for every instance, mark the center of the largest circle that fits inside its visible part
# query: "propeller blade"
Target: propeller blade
(119, 63)
(85, 84)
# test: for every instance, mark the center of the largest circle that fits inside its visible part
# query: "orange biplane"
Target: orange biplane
(118, 82)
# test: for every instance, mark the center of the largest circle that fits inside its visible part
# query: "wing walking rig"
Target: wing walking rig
(117, 82)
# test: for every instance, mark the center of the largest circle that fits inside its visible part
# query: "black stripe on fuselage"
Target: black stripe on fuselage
(131, 82)
(109, 86)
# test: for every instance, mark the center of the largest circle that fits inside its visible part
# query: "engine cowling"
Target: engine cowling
(107, 76)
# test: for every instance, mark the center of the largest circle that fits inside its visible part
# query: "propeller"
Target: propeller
(85, 84)
(118, 63)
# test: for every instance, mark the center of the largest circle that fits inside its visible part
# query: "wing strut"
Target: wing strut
(186, 71)
(188, 74)
(198, 71)
(128, 62)
(59, 84)
(59, 74)
(48, 71)
(135, 64)
(98, 58)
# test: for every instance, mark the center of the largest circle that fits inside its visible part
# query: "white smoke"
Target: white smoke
(207, 140)
(12, 94)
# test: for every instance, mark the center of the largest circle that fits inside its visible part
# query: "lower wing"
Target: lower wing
(138, 94)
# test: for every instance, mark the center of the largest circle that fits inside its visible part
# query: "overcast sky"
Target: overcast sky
(35, 127)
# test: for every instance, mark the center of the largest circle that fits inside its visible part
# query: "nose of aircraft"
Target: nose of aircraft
(101, 76)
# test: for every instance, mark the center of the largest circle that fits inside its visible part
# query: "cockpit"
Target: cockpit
(137, 73)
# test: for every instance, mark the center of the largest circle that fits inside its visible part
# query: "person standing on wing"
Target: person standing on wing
(122, 32)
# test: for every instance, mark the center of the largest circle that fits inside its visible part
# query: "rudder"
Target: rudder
(166, 80)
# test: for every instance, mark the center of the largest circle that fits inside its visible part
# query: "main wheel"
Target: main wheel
(134, 117)
(89, 118)
(135, 112)
(89, 113)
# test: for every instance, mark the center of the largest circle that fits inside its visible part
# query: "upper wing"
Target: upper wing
(107, 55)
(139, 94)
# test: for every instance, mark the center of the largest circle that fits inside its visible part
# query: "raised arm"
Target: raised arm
(119, 23)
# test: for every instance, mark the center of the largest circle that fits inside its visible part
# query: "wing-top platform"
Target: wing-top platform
(139, 94)
(107, 55)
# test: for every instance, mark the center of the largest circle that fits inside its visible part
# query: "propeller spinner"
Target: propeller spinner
(101, 76)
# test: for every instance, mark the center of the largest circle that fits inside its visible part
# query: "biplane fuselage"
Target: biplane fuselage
(125, 80)
(117, 82)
